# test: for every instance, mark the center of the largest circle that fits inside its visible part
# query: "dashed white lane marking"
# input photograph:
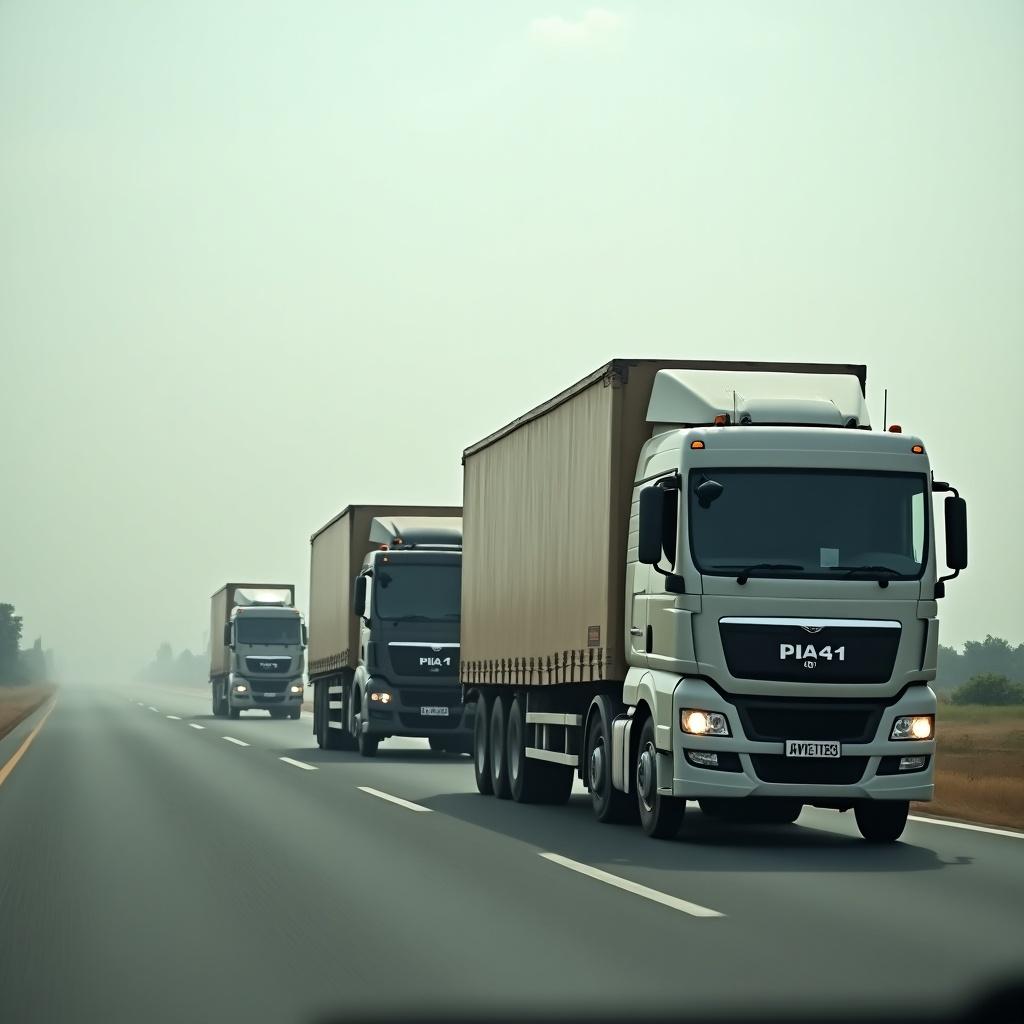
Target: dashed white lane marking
(231, 739)
(407, 804)
(174, 718)
(140, 703)
(673, 902)
(151, 708)
(298, 764)
(969, 828)
(195, 725)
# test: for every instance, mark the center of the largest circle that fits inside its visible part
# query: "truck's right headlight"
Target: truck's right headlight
(913, 727)
(703, 723)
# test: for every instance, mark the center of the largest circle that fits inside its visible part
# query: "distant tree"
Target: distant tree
(991, 655)
(989, 688)
(10, 642)
(32, 663)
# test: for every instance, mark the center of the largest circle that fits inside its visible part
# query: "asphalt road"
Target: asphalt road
(153, 870)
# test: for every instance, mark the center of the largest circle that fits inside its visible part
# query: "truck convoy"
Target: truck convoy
(709, 581)
(384, 598)
(257, 645)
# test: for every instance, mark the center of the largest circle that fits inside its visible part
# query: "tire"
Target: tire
(609, 804)
(296, 714)
(326, 737)
(882, 821)
(482, 747)
(529, 780)
(215, 701)
(660, 816)
(233, 712)
(365, 743)
(278, 713)
(499, 748)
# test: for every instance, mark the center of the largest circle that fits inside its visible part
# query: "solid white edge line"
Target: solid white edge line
(231, 739)
(298, 764)
(174, 718)
(407, 804)
(673, 902)
(964, 825)
(195, 725)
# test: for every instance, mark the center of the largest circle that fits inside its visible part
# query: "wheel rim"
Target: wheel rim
(497, 746)
(597, 767)
(515, 750)
(645, 776)
(481, 741)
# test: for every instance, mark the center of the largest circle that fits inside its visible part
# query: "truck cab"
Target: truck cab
(264, 641)
(407, 597)
(782, 586)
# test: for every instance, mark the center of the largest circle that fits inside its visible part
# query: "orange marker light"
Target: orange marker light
(383, 547)
(697, 445)
(918, 449)
(721, 419)
(895, 429)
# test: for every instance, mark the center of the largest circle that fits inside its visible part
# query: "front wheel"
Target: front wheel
(660, 816)
(499, 748)
(295, 713)
(882, 821)
(233, 712)
(609, 804)
(366, 743)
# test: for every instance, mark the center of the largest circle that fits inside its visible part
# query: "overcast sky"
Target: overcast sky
(261, 260)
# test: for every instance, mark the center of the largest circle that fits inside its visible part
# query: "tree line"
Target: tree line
(20, 667)
(185, 667)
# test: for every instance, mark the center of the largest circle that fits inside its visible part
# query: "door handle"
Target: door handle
(636, 631)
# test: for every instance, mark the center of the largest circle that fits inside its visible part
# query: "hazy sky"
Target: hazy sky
(261, 260)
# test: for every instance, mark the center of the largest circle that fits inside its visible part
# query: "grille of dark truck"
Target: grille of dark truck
(839, 771)
(262, 686)
(768, 721)
(267, 663)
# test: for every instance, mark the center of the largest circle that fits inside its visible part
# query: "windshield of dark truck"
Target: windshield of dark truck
(428, 592)
(824, 524)
(267, 630)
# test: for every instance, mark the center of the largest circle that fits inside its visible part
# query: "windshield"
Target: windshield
(803, 522)
(421, 592)
(267, 630)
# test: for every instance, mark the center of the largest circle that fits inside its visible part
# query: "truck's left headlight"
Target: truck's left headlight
(296, 688)
(380, 697)
(913, 727)
(703, 723)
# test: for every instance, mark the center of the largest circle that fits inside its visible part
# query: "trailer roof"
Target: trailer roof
(255, 586)
(617, 372)
(391, 510)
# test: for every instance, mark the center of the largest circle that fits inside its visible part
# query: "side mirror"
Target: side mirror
(709, 492)
(359, 596)
(652, 525)
(956, 533)
(305, 635)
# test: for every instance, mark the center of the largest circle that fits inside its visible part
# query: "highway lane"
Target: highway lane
(152, 870)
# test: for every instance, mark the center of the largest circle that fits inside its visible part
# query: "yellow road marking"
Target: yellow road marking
(9, 767)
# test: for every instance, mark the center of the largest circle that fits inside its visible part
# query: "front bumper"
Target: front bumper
(763, 770)
(403, 717)
(264, 694)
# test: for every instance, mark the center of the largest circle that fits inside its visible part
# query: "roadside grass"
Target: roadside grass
(18, 702)
(979, 766)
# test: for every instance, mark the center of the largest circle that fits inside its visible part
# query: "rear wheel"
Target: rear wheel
(609, 804)
(499, 748)
(529, 780)
(482, 747)
(882, 821)
(215, 701)
(660, 816)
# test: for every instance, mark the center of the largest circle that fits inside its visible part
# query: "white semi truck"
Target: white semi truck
(710, 581)
(257, 650)
(384, 590)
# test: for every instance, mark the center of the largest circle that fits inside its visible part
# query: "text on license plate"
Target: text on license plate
(436, 712)
(813, 748)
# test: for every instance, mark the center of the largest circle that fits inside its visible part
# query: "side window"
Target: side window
(670, 526)
(917, 524)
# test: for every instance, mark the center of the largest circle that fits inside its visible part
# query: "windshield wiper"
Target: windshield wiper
(745, 574)
(850, 571)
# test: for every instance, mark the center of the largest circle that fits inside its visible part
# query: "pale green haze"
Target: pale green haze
(260, 260)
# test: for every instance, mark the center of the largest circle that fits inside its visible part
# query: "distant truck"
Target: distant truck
(384, 599)
(257, 650)
(706, 581)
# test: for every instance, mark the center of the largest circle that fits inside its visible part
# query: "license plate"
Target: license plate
(814, 748)
(270, 695)
(434, 712)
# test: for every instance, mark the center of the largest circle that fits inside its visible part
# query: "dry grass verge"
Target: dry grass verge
(18, 702)
(979, 767)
